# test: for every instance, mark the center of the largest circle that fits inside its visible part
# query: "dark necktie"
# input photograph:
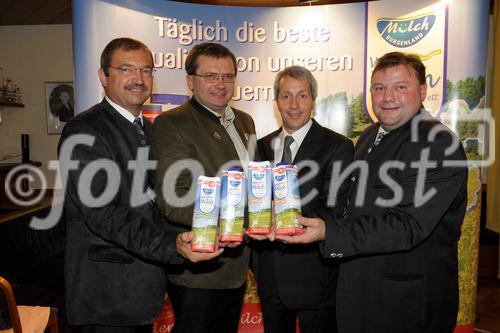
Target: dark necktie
(379, 138)
(142, 137)
(287, 152)
(140, 130)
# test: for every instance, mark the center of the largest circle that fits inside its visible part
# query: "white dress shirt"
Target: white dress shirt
(298, 137)
(124, 112)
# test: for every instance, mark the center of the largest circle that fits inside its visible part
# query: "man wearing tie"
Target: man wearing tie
(293, 281)
(398, 242)
(116, 247)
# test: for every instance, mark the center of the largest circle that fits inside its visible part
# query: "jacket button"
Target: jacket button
(353, 179)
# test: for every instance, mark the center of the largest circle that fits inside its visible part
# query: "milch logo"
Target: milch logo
(405, 32)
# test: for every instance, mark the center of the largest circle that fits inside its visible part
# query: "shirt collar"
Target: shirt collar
(298, 135)
(381, 130)
(124, 112)
(224, 119)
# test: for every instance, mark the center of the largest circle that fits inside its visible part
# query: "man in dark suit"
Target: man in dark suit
(398, 243)
(117, 241)
(294, 280)
(202, 137)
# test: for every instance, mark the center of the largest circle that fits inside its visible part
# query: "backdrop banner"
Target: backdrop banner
(339, 44)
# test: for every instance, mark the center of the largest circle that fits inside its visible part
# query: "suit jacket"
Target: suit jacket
(400, 271)
(114, 253)
(304, 279)
(190, 136)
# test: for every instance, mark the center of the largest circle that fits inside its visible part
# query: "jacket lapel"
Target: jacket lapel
(311, 144)
(241, 130)
(148, 128)
(268, 144)
(123, 123)
(363, 146)
(206, 121)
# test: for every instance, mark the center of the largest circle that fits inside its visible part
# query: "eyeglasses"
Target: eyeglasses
(130, 70)
(214, 77)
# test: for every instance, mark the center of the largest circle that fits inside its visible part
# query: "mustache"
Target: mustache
(135, 86)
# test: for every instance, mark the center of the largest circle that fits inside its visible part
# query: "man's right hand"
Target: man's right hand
(183, 243)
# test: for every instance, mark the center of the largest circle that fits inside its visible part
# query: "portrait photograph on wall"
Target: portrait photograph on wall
(59, 98)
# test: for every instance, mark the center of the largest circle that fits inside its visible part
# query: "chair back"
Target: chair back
(9, 316)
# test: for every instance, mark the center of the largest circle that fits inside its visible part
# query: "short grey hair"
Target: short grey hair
(298, 73)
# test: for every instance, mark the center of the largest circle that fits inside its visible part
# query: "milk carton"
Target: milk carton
(206, 214)
(259, 197)
(287, 210)
(232, 211)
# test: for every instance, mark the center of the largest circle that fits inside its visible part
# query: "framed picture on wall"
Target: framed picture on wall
(59, 99)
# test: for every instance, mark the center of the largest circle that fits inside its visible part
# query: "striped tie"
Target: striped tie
(379, 138)
(138, 127)
(149, 183)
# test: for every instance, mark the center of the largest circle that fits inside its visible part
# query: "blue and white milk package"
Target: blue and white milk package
(259, 197)
(206, 214)
(232, 211)
(287, 207)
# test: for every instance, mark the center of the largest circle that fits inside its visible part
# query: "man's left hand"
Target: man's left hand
(314, 231)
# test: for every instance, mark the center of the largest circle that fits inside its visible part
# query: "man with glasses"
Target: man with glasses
(202, 136)
(116, 252)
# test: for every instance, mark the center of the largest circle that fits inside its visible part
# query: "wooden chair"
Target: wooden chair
(15, 318)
